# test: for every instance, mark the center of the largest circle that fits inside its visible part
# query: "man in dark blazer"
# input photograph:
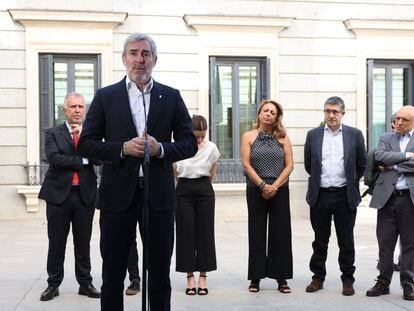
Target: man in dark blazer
(114, 132)
(69, 190)
(335, 159)
(393, 196)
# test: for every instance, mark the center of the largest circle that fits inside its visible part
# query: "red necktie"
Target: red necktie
(75, 179)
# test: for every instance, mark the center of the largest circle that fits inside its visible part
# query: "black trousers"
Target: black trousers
(195, 243)
(333, 204)
(396, 218)
(59, 217)
(270, 235)
(133, 268)
(118, 231)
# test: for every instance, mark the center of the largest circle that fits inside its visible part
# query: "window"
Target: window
(59, 75)
(237, 85)
(390, 86)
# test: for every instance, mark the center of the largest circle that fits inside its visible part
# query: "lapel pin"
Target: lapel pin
(160, 96)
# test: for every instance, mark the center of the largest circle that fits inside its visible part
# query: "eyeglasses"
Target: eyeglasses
(334, 112)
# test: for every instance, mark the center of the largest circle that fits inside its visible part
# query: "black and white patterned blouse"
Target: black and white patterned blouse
(267, 158)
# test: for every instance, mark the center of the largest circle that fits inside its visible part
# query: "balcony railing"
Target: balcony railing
(35, 173)
(229, 171)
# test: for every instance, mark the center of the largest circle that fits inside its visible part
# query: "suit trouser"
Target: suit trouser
(133, 269)
(270, 236)
(59, 218)
(396, 218)
(195, 243)
(333, 204)
(118, 230)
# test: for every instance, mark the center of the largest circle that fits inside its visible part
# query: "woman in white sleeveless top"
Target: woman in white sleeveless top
(195, 245)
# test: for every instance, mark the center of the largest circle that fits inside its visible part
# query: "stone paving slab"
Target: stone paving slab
(23, 248)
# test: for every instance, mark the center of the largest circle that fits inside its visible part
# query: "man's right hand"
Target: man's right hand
(76, 129)
(132, 148)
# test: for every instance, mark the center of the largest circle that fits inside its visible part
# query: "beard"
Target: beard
(140, 79)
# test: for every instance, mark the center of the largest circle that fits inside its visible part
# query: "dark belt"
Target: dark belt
(401, 192)
(75, 187)
(333, 189)
(199, 179)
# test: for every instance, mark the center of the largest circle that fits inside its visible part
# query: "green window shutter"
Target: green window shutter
(46, 99)
(265, 78)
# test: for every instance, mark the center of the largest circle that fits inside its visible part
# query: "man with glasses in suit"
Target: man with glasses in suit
(393, 196)
(335, 159)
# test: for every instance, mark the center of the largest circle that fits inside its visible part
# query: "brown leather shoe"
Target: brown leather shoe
(133, 288)
(380, 288)
(348, 289)
(408, 291)
(314, 286)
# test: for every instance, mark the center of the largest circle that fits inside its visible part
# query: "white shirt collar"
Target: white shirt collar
(408, 134)
(147, 88)
(329, 129)
(69, 127)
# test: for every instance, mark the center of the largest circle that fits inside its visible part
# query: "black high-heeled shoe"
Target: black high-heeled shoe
(202, 291)
(190, 291)
(254, 286)
(283, 287)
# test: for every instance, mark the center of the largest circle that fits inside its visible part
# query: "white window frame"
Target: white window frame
(236, 36)
(378, 39)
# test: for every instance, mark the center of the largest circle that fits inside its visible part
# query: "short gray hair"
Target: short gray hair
(71, 94)
(337, 101)
(139, 36)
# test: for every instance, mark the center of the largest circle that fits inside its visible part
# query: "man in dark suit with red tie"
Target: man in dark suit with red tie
(114, 133)
(69, 190)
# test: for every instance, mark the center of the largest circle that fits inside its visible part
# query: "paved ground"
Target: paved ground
(23, 273)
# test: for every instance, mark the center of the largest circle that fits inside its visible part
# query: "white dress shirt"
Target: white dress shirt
(138, 110)
(136, 103)
(333, 167)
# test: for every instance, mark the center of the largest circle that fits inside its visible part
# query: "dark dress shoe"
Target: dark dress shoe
(380, 288)
(408, 291)
(49, 293)
(348, 289)
(133, 288)
(90, 291)
(314, 286)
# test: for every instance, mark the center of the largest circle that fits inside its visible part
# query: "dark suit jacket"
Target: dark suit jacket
(388, 154)
(354, 161)
(63, 162)
(109, 118)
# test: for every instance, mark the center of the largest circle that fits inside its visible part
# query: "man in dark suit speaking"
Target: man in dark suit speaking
(69, 190)
(114, 132)
(335, 159)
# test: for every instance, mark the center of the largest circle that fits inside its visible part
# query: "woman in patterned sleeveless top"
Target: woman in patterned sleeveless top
(266, 154)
